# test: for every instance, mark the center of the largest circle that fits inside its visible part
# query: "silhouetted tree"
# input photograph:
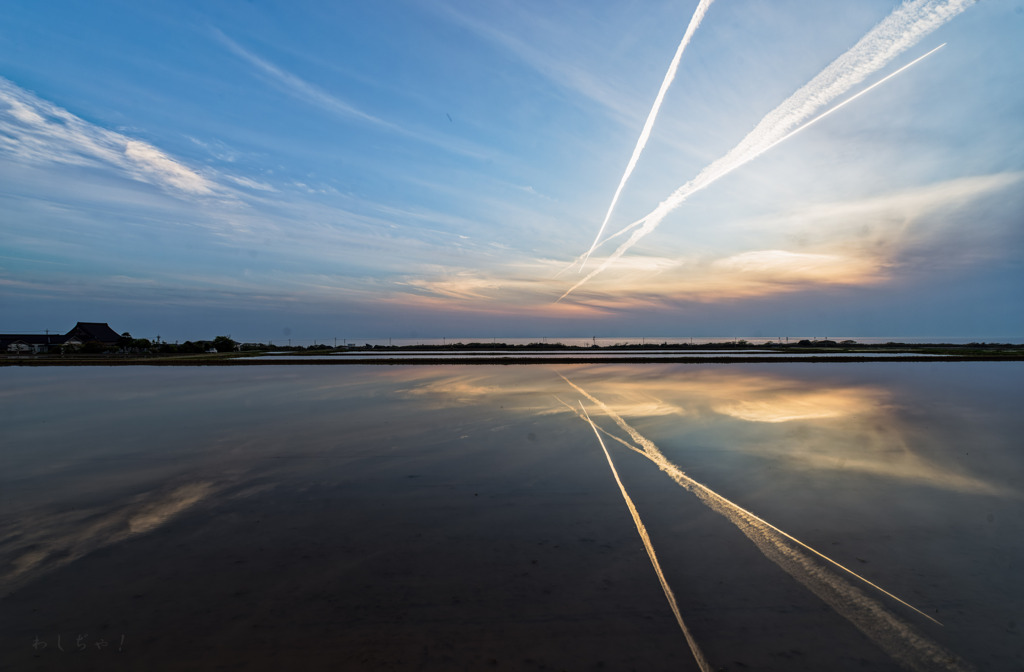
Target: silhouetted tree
(224, 344)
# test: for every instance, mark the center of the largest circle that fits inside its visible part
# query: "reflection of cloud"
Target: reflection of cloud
(747, 397)
(798, 559)
(641, 408)
(458, 390)
(43, 541)
(873, 444)
(901, 465)
(854, 429)
(800, 405)
(526, 393)
(159, 512)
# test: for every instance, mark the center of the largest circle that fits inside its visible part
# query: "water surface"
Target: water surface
(802, 517)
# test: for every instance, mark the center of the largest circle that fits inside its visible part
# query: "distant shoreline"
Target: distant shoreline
(399, 360)
(501, 354)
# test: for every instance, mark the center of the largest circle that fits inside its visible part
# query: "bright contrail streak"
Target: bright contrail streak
(897, 638)
(702, 662)
(579, 259)
(629, 227)
(847, 101)
(645, 134)
(902, 29)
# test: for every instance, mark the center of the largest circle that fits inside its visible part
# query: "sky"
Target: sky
(416, 169)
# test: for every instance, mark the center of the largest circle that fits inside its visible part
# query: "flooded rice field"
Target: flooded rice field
(778, 516)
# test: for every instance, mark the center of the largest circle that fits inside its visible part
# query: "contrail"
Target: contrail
(902, 29)
(629, 227)
(702, 662)
(895, 637)
(846, 102)
(645, 134)
(580, 259)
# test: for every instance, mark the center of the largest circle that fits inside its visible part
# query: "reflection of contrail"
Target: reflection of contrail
(651, 451)
(702, 662)
(894, 636)
(698, 16)
(906, 26)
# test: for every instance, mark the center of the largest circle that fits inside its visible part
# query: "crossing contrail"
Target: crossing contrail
(645, 134)
(895, 637)
(902, 29)
(629, 227)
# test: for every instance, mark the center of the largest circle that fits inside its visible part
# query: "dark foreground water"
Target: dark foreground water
(779, 517)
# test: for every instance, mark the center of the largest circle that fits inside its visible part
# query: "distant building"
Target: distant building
(82, 333)
(22, 344)
(100, 332)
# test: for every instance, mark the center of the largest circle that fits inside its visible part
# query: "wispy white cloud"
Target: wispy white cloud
(152, 161)
(887, 226)
(563, 71)
(906, 204)
(318, 97)
(39, 132)
(299, 87)
(782, 265)
(250, 183)
(23, 113)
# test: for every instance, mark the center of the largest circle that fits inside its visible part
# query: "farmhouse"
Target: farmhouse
(82, 333)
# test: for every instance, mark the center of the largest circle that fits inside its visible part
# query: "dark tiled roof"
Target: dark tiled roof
(83, 331)
(94, 331)
(33, 339)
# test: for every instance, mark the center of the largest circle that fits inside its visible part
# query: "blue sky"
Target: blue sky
(428, 169)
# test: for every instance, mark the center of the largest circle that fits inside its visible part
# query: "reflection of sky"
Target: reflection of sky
(145, 447)
(824, 426)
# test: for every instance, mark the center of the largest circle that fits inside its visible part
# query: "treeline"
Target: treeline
(127, 344)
